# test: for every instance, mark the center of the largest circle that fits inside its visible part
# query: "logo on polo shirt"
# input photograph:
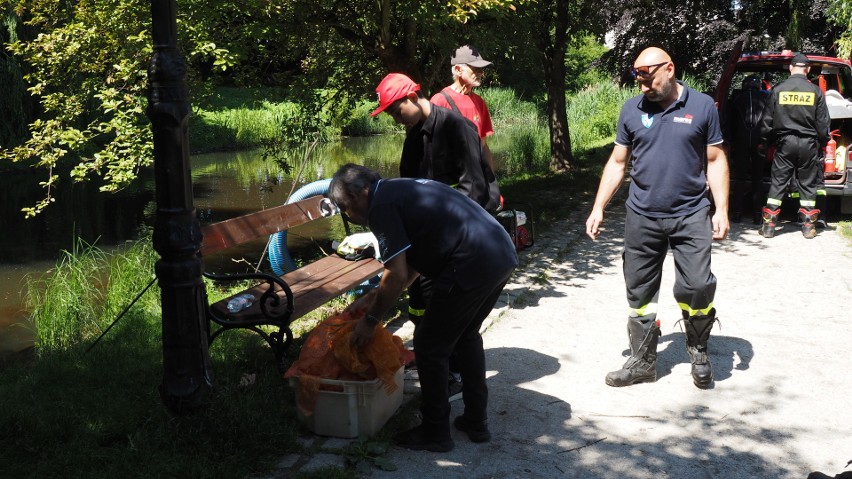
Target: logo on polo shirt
(687, 119)
(802, 98)
(647, 120)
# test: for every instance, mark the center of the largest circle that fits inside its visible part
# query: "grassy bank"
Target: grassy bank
(240, 118)
(69, 412)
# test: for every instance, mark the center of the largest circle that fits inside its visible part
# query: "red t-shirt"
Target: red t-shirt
(471, 106)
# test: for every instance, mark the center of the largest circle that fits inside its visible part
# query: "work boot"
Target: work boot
(418, 438)
(770, 217)
(697, 333)
(477, 431)
(641, 366)
(809, 219)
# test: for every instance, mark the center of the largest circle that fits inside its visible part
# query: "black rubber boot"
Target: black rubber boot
(809, 219)
(641, 366)
(770, 217)
(697, 333)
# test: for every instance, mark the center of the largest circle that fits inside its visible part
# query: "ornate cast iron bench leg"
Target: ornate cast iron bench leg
(272, 314)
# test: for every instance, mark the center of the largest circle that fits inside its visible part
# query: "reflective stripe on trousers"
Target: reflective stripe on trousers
(646, 242)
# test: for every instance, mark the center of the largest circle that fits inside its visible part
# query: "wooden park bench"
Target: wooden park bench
(278, 300)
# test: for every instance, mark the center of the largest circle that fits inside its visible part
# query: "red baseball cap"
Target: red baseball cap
(393, 87)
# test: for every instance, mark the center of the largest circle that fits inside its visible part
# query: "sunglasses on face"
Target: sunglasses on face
(646, 71)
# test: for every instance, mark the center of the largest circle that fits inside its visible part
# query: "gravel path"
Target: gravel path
(779, 407)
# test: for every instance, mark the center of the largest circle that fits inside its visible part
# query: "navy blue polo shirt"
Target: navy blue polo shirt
(669, 152)
(446, 236)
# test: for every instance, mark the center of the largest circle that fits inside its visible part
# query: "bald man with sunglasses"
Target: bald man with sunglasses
(669, 131)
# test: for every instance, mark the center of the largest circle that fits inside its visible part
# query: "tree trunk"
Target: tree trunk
(561, 158)
(399, 59)
(554, 50)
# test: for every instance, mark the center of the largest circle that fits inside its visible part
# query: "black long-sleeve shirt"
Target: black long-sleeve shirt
(796, 107)
(445, 147)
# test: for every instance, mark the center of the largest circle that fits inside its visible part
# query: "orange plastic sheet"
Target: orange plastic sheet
(328, 353)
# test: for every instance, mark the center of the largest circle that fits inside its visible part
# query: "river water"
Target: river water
(225, 185)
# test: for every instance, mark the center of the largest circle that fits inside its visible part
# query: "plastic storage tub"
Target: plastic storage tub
(353, 408)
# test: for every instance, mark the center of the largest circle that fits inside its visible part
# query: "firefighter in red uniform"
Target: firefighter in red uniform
(796, 121)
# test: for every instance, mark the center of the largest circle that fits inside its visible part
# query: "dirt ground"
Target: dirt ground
(779, 406)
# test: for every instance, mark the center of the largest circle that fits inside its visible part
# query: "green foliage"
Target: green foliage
(99, 414)
(593, 113)
(93, 101)
(88, 69)
(14, 113)
(241, 127)
(840, 14)
(362, 124)
(507, 106)
(700, 83)
(580, 72)
(364, 454)
(463, 10)
(522, 141)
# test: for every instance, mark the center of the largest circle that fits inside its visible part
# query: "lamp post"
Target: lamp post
(187, 373)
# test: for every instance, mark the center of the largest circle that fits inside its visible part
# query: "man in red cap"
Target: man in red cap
(439, 144)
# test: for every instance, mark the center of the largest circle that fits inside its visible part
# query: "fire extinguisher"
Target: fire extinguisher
(831, 152)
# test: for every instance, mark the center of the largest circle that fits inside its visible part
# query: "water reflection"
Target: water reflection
(225, 185)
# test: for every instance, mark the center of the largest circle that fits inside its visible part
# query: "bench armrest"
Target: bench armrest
(269, 301)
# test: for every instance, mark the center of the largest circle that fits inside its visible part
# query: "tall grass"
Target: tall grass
(97, 413)
(241, 127)
(593, 114)
(521, 146)
(522, 139)
(83, 293)
(522, 142)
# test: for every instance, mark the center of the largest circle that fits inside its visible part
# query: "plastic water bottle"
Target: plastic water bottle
(240, 303)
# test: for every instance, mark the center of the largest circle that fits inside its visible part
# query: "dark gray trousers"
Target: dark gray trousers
(646, 242)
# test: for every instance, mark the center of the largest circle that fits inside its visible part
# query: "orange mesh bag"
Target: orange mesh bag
(328, 354)
(380, 358)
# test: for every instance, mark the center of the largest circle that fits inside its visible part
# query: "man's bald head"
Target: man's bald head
(652, 56)
(654, 71)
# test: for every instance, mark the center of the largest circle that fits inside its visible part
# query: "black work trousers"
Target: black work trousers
(451, 324)
(419, 294)
(646, 242)
(802, 156)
